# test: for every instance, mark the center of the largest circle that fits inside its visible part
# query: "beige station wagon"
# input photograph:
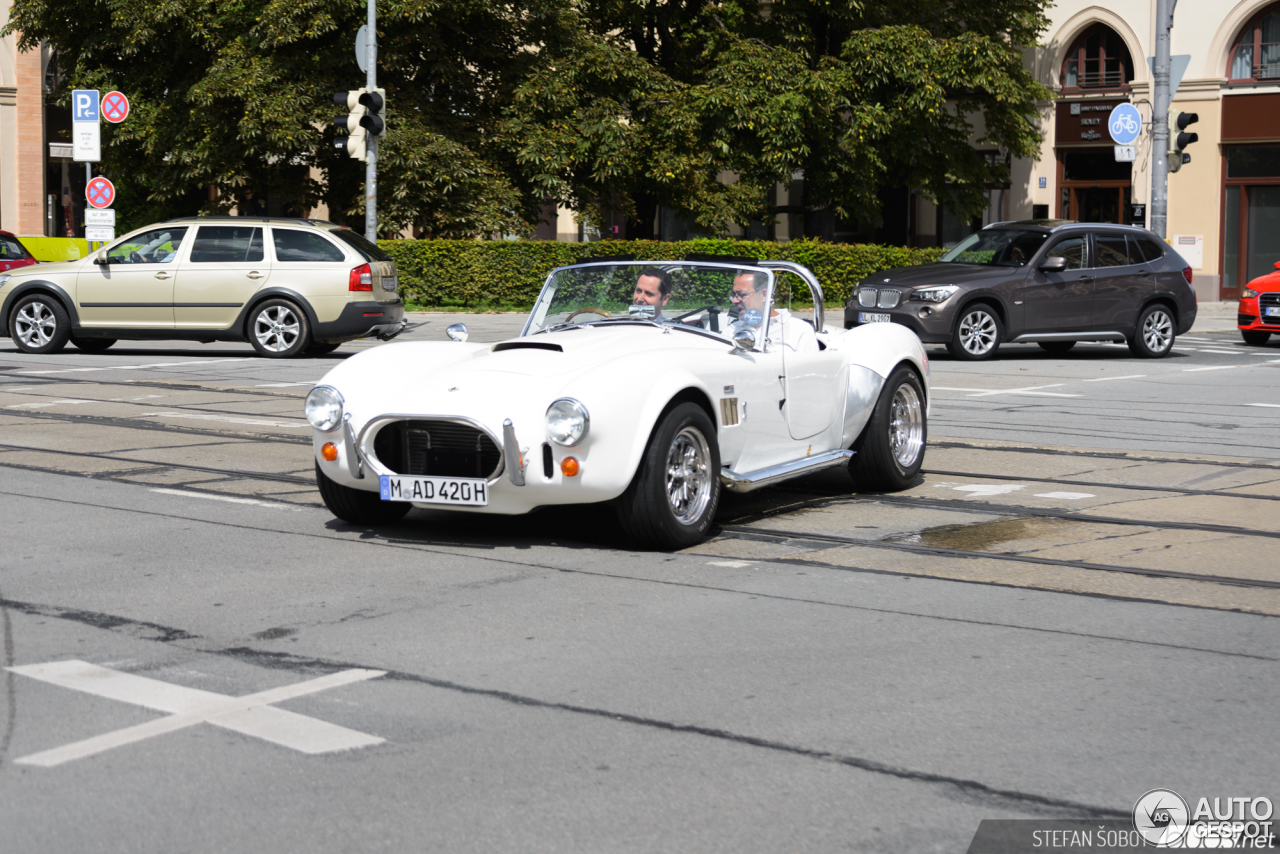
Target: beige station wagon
(287, 286)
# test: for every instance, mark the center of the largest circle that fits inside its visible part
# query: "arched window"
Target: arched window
(1098, 59)
(1257, 52)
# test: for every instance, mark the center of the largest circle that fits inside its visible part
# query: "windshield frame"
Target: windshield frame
(543, 301)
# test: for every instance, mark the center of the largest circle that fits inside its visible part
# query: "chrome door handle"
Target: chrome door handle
(162, 275)
(254, 274)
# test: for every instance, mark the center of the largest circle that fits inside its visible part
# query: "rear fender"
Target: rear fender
(881, 348)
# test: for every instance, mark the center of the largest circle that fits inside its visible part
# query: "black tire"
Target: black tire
(321, 348)
(889, 453)
(356, 505)
(278, 329)
(39, 324)
(1056, 346)
(92, 345)
(977, 333)
(1154, 334)
(1254, 339)
(648, 509)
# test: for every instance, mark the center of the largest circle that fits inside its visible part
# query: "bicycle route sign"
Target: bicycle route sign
(1125, 124)
(115, 107)
(100, 192)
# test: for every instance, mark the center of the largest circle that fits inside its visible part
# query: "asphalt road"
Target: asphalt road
(1078, 603)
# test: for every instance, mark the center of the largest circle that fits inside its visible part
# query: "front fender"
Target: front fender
(37, 285)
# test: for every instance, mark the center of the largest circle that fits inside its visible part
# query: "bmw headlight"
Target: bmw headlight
(324, 408)
(567, 421)
(1247, 293)
(941, 294)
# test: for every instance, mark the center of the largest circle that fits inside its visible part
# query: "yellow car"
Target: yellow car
(287, 286)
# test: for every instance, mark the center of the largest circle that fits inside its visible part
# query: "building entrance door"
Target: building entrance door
(1093, 186)
(1100, 204)
(1251, 216)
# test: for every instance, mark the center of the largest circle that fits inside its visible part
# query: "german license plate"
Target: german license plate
(864, 317)
(470, 492)
(1271, 311)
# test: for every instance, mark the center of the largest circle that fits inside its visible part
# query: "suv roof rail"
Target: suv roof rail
(253, 219)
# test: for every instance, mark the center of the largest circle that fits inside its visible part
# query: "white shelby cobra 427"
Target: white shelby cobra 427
(651, 385)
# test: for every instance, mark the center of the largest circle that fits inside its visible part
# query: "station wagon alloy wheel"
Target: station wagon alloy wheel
(278, 329)
(688, 475)
(906, 425)
(39, 324)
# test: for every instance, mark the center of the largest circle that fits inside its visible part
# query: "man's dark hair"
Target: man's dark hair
(759, 278)
(663, 277)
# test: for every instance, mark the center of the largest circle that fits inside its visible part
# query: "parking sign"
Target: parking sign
(84, 105)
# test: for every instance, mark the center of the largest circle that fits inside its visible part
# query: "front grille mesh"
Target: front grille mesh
(867, 297)
(1271, 300)
(438, 448)
(889, 298)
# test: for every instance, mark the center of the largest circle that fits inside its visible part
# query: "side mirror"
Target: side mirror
(1053, 264)
(457, 332)
(744, 340)
(101, 258)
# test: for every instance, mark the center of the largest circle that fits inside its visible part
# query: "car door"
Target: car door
(223, 269)
(1121, 279)
(1056, 302)
(134, 288)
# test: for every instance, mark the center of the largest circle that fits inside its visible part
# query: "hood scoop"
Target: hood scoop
(527, 345)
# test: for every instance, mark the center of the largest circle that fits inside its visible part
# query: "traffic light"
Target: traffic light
(352, 124)
(1180, 138)
(374, 102)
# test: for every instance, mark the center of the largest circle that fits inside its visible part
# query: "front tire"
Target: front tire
(356, 505)
(278, 329)
(977, 334)
(1254, 339)
(1153, 339)
(92, 345)
(673, 498)
(889, 453)
(39, 324)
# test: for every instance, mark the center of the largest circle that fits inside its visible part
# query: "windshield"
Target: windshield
(717, 299)
(368, 250)
(1003, 247)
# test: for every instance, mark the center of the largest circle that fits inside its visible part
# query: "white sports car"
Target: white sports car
(652, 385)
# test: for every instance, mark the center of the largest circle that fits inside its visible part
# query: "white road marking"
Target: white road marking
(1065, 496)
(256, 422)
(284, 385)
(1215, 368)
(1031, 389)
(955, 388)
(1271, 405)
(24, 388)
(732, 564)
(142, 367)
(45, 403)
(1221, 352)
(275, 505)
(982, 489)
(1105, 379)
(252, 714)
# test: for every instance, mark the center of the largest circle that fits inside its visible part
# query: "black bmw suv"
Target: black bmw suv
(1049, 282)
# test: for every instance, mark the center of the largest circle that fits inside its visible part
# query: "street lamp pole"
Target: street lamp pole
(371, 149)
(1160, 121)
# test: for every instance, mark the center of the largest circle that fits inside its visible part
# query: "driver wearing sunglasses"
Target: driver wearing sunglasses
(750, 291)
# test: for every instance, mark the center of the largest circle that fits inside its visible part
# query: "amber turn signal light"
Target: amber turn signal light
(569, 467)
(329, 451)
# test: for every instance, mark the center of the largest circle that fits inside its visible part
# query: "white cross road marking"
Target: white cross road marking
(275, 505)
(1065, 496)
(1107, 379)
(251, 715)
(1031, 389)
(141, 367)
(982, 489)
(256, 422)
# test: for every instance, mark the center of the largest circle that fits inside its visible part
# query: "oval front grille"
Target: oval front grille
(436, 447)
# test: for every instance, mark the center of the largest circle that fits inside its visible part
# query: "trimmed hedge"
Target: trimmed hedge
(476, 273)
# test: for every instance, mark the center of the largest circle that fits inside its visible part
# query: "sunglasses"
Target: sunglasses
(738, 296)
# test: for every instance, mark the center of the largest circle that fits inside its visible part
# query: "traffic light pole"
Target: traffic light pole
(371, 168)
(1160, 121)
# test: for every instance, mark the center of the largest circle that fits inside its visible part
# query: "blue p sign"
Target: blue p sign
(84, 105)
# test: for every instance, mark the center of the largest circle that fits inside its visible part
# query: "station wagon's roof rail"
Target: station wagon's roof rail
(230, 218)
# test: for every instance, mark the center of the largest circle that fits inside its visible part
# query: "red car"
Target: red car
(13, 254)
(1259, 312)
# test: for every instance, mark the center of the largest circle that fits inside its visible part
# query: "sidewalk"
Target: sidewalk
(1216, 317)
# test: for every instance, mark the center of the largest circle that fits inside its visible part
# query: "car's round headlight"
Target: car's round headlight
(567, 421)
(324, 408)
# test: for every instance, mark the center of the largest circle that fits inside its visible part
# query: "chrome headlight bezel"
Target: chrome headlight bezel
(568, 422)
(935, 294)
(324, 408)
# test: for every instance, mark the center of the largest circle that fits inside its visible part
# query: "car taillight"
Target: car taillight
(1186, 274)
(362, 278)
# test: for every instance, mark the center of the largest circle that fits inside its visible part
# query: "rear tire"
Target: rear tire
(39, 324)
(977, 334)
(1056, 346)
(92, 345)
(673, 498)
(1153, 337)
(889, 453)
(356, 505)
(278, 329)
(1254, 339)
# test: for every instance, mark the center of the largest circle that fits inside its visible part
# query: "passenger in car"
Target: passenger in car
(653, 288)
(749, 291)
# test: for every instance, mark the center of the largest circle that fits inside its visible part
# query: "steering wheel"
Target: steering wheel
(135, 258)
(574, 314)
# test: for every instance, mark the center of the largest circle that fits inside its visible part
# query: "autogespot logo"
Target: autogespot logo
(1161, 817)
